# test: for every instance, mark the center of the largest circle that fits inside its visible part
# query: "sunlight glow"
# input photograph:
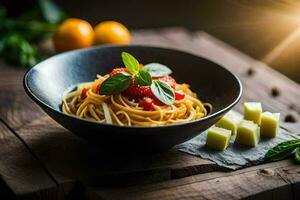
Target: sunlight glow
(283, 45)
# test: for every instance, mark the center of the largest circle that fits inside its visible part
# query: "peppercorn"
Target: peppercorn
(275, 91)
(291, 117)
(250, 71)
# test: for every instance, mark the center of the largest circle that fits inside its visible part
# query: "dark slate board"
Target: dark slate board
(235, 156)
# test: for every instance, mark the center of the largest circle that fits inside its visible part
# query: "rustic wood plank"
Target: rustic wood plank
(21, 172)
(291, 175)
(16, 107)
(87, 163)
(261, 182)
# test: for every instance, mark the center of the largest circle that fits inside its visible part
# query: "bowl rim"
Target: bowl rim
(44, 105)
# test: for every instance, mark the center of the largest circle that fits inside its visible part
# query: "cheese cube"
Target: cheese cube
(269, 124)
(247, 133)
(252, 112)
(230, 121)
(218, 138)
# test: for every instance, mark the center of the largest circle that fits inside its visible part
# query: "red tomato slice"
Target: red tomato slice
(179, 95)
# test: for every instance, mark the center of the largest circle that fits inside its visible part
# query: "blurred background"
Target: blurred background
(268, 30)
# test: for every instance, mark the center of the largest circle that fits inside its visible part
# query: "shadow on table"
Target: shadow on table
(69, 158)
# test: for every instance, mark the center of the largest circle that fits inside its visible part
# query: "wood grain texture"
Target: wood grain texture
(291, 175)
(81, 170)
(16, 107)
(21, 172)
(90, 165)
(247, 183)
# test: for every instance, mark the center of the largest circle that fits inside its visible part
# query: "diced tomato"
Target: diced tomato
(83, 93)
(138, 92)
(147, 104)
(141, 66)
(157, 102)
(135, 91)
(179, 95)
(117, 70)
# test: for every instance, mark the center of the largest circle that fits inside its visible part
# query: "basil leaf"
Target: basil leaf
(130, 63)
(163, 92)
(115, 84)
(157, 69)
(282, 150)
(143, 78)
(297, 155)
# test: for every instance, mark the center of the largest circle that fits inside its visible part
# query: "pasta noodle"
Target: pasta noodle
(120, 110)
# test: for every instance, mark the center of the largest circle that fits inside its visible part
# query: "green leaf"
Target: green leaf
(130, 63)
(157, 69)
(297, 155)
(115, 84)
(16, 50)
(163, 92)
(143, 78)
(282, 150)
(51, 12)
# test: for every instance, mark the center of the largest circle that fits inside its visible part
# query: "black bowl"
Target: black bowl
(48, 81)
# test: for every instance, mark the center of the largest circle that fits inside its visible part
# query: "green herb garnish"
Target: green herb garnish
(143, 78)
(120, 81)
(283, 150)
(163, 92)
(130, 63)
(115, 84)
(157, 69)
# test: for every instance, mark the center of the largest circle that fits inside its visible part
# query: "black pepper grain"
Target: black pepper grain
(250, 71)
(275, 91)
(291, 117)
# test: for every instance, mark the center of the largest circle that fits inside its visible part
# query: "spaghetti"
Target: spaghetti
(131, 107)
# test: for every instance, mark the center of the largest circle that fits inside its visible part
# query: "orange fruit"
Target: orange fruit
(73, 34)
(111, 32)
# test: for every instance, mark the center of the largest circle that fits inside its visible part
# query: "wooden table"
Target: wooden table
(41, 160)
